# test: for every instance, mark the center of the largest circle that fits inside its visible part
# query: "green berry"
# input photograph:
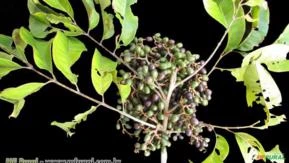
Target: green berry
(164, 66)
(154, 74)
(161, 105)
(150, 113)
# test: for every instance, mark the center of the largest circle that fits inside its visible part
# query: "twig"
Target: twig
(110, 52)
(235, 127)
(89, 98)
(207, 61)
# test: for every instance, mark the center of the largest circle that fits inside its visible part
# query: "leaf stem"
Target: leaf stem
(235, 127)
(110, 52)
(88, 97)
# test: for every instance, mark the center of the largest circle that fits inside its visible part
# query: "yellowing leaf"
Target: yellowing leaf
(19, 52)
(250, 147)
(66, 51)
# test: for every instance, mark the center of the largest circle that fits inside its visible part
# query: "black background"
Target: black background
(30, 135)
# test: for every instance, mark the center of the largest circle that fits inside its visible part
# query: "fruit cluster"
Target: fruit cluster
(155, 60)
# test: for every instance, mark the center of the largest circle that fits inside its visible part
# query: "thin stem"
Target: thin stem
(110, 52)
(236, 127)
(89, 98)
(207, 61)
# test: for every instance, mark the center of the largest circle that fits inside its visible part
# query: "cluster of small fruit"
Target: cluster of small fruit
(155, 60)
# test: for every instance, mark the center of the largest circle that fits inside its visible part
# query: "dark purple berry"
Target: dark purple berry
(147, 103)
(155, 98)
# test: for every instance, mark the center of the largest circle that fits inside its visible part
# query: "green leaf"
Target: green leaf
(103, 64)
(101, 83)
(284, 37)
(250, 147)
(62, 5)
(222, 11)
(107, 19)
(259, 27)
(19, 93)
(93, 16)
(124, 91)
(275, 155)
(35, 6)
(127, 19)
(220, 151)
(69, 126)
(66, 126)
(273, 120)
(101, 72)
(108, 27)
(6, 66)
(73, 30)
(37, 27)
(230, 16)
(20, 46)
(18, 106)
(6, 43)
(259, 84)
(66, 51)
(83, 116)
(272, 55)
(6, 56)
(41, 50)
